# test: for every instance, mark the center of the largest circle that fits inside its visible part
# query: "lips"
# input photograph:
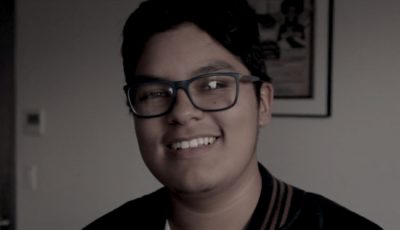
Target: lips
(192, 143)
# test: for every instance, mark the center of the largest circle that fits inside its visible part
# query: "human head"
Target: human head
(230, 22)
(189, 150)
(175, 40)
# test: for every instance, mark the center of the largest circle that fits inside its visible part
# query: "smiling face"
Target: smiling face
(188, 150)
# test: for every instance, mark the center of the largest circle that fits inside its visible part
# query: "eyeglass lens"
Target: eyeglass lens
(211, 92)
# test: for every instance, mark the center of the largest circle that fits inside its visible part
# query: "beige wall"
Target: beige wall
(86, 162)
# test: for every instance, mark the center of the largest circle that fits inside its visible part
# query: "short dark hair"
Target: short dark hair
(232, 23)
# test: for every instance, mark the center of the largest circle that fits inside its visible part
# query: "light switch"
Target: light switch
(34, 122)
(33, 177)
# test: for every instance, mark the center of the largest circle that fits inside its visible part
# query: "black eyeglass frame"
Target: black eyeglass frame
(184, 85)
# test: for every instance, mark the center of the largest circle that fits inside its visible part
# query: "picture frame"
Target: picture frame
(296, 37)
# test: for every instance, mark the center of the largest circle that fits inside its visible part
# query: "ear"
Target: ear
(265, 105)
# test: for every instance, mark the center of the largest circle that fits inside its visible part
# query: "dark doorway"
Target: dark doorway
(7, 116)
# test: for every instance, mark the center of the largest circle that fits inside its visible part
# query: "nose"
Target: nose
(183, 110)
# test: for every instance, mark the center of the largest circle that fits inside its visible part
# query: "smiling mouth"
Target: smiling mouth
(192, 143)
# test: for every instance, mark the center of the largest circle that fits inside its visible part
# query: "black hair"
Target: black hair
(232, 23)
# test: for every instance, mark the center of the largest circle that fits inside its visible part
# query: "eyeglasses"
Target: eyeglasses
(208, 92)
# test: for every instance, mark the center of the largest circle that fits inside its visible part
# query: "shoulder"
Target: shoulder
(289, 208)
(313, 211)
(148, 210)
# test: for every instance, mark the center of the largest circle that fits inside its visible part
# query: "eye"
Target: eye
(153, 94)
(214, 84)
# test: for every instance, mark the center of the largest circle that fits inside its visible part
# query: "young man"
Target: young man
(199, 94)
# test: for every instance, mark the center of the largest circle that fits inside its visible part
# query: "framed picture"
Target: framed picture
(296, 37)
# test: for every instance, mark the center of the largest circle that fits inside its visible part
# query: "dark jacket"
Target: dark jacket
(281, 206)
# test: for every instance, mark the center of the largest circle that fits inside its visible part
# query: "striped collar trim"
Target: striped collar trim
(274, 205)
(278, 208)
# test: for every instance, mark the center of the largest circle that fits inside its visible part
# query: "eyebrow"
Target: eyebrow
(213, 66)
(138, 79)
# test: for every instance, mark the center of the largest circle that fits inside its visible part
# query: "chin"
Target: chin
(194, 185)
(200, 190)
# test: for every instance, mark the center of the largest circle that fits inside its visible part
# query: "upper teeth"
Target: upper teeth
(193, 143)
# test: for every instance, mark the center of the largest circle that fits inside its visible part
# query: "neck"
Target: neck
(228, 209)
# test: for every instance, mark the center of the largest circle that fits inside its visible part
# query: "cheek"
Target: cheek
(241, 121)
(147, 133)
(246, 108)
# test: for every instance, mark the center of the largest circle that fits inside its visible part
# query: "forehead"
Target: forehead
(185, 51)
